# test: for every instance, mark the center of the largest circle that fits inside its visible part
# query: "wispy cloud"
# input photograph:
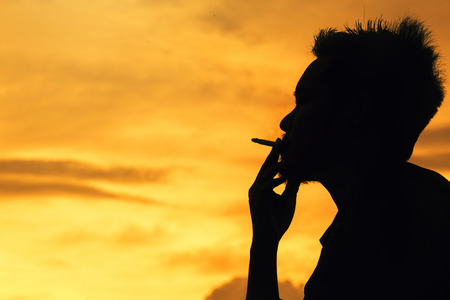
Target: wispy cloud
(440, 161)
(22, 187)
(27, 297)
(436, 143)
(435, 137)
(210, 260)
(237, 287)
(80, 170)
(56, 263)
(129, 235)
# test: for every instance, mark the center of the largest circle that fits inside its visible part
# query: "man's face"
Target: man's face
(309, 143)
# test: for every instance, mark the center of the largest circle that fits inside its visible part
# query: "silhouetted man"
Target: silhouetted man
(360, 107)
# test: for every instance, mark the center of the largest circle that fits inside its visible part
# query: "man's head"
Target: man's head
(395, 66)
(383, 80)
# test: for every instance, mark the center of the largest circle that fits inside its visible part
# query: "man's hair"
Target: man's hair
(396, 65)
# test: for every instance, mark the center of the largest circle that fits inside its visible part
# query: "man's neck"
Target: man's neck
(344, 180)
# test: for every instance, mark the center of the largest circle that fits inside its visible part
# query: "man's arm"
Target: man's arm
(262, 273)
(271, 216)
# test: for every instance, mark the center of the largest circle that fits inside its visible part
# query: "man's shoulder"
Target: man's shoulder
(430, 194)
(425, 172)
(424, 182)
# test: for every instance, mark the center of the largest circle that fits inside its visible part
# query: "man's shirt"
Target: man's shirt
(390, 240)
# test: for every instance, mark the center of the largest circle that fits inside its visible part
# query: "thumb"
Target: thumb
(292, 187)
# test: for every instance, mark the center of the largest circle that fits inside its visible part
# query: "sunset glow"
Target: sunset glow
(126, 131)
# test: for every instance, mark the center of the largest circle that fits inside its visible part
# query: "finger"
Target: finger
(274, 183)
(272, 158)
(292, 187)
(270, 172)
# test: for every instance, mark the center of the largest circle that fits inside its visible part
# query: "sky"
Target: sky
(125, 128)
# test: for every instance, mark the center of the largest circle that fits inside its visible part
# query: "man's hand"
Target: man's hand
(271, 213)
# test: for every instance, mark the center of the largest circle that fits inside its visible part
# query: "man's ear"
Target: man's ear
(358, 112)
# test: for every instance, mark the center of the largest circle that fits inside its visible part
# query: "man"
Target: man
(360, 107)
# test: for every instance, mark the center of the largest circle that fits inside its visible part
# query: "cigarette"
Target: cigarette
(263, 142)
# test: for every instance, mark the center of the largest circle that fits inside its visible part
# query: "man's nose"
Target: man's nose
(286, 123)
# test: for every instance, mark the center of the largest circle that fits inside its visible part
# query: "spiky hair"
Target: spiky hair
(396, 63)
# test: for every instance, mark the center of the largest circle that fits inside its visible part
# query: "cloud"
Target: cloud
(435, 137)
(209, 260)
(15, 188)
(234, 289)
(158, 3)
(436, 145)
(237, 287)
(136, 235)
(440, 161)
(27, 297)
(79, 236)
(80, 170)
(130, 235)
(56, 263)
(258, 22)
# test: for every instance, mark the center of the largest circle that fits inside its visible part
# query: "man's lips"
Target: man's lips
(285, 142)
(284, 146)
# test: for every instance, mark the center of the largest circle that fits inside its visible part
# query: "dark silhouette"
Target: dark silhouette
(360, 107)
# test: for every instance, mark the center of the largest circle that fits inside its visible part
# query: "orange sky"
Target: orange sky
(125, 131)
